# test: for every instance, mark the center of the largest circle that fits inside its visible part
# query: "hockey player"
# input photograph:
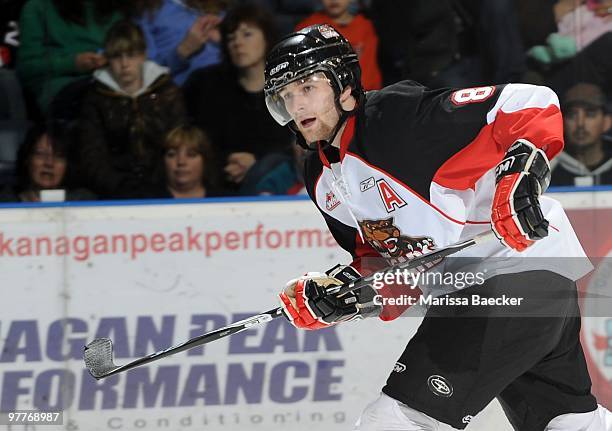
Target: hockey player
(404, 170)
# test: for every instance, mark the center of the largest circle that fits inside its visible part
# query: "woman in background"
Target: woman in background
(188, 162)
(216, 97)
(43, 164)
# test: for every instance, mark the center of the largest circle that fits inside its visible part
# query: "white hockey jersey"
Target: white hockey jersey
(415, 172)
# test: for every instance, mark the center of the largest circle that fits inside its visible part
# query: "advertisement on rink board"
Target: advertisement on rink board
(149, 277)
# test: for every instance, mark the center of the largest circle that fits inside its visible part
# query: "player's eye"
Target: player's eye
(307, 88)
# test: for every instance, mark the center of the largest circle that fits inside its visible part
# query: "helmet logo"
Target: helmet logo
(328, 31)
(278, 68)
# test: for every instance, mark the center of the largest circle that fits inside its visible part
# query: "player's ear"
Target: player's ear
(347, 101)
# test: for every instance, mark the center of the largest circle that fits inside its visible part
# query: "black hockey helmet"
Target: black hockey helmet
(318, 48)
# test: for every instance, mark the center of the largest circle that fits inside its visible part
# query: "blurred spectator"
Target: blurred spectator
(286, 178)
(593, 64)
(578, 24)
(126, 114)
(43, 164)
(358, 30)
(449, 43)
(182, 35)
(60, 42)
(583, 22)
(421, 40)
(9, 31)
(220, 96)
(289, 12)
(189, 164)
(587, 159)
(500, 42)
(568, 41)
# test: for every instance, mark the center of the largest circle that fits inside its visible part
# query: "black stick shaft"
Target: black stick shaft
(276, 312)
(200, 340)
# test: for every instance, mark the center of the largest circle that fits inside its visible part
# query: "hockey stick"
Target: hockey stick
(98, 355)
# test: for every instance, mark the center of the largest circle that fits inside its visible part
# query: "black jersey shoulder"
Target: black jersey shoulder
(409, 131)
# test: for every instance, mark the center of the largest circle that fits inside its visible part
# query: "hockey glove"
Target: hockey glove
(306, 304)
(520, 179)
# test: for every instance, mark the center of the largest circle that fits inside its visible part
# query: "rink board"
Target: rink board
(149, 276)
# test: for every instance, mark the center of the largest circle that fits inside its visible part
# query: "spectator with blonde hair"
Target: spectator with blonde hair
(189, 164)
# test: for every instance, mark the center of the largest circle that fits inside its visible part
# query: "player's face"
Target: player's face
(247, 46)
(47, 169)
(336, 8)
(184, 167)
(311, 104)
(126, 68)
(584, 125)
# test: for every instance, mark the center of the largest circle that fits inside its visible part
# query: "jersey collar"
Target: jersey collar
(345, 140)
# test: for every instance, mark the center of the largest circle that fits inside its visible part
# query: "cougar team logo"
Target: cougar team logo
(387, 239)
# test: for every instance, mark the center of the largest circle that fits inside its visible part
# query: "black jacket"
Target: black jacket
(122, 137)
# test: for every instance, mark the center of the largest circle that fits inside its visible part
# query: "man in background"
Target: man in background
(587, 159)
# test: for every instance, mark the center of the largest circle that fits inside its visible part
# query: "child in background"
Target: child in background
(126, 113)
(358, 30)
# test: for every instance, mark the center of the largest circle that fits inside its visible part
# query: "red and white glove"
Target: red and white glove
(307, 305)
(520, 179)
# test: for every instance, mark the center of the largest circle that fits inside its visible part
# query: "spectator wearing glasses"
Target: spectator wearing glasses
(43, 163)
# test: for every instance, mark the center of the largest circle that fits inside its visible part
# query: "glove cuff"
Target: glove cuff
(343, 273)
(525, 157)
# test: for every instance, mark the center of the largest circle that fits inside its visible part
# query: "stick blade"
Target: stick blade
(98, 357)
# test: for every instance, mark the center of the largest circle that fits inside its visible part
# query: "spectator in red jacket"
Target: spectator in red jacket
(358, 30)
